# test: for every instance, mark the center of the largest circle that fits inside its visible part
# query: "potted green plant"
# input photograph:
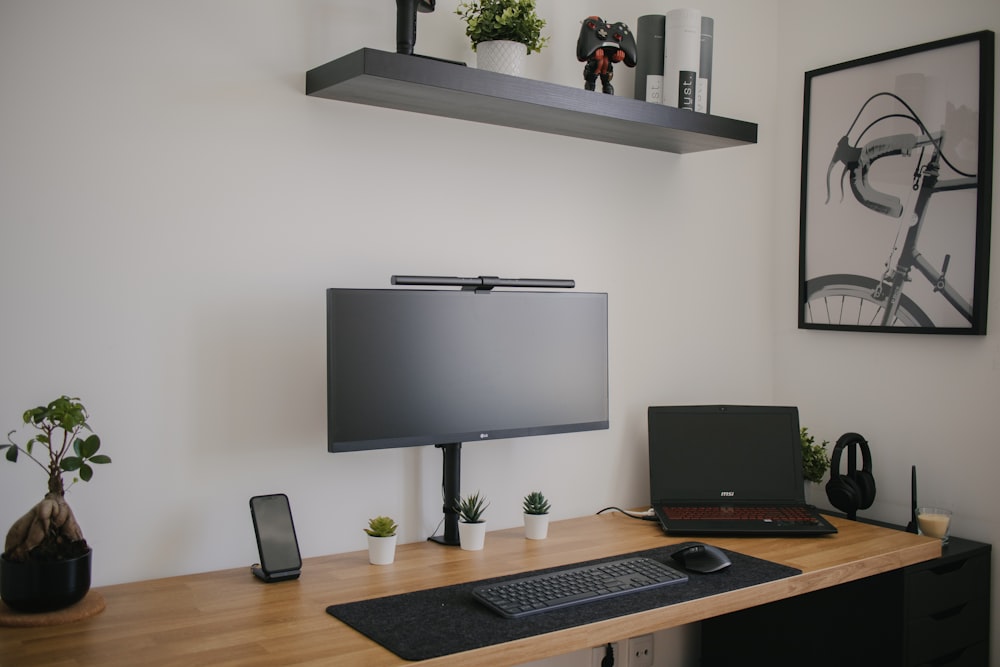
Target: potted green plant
(46, 561)
(815, 460)
(381, 540)
(503, 32)
(471, 525)
(536, 516)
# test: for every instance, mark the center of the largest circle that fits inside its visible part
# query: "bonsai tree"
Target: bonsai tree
(470, 508)
(815, 460)
(512, 20)
(536, 503)
(49, 529)
(381, 526)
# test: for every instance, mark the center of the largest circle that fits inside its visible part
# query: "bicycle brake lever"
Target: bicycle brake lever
(880, 202)
(847, 154)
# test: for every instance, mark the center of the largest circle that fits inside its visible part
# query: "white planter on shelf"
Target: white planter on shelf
(536, 526)
(381, 550)
(501, 56)
(472, 536)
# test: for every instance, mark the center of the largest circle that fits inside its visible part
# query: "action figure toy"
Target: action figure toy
(601, 44)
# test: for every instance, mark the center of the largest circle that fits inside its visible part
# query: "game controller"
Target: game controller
(600, 45)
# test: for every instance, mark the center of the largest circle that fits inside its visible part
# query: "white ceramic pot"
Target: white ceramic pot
(536, 526)
(815, 493)
(381, 550)
(501, 56)
(472, 536)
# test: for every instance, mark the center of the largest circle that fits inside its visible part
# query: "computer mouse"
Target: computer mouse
(702, 558)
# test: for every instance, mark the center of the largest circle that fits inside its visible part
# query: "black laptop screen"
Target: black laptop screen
(724, 454)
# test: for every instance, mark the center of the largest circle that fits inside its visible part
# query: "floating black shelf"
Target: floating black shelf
(440, 88)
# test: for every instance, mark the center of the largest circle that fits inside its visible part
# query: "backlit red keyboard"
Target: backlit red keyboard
(740, 513)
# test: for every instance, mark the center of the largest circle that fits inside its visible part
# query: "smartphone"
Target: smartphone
(276, 541)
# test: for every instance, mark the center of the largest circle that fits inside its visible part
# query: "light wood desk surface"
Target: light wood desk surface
(231, 618)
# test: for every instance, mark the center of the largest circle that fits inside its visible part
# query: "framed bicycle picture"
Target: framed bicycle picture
(897, 159)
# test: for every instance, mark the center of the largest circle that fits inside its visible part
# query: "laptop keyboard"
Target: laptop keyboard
(741, 513)
(565, 587)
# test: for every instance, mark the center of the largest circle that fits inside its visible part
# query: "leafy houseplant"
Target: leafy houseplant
(536, 516)
(49, 533)
(815, 460)
(508, 20)
(472, 525)
(381, 540)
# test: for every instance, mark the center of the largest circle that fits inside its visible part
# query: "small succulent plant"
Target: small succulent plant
(536, 503)
(471, 507)
(381, 526)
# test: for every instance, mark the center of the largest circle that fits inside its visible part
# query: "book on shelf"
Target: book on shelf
(649, 63)
(682, 56)
(703, 94)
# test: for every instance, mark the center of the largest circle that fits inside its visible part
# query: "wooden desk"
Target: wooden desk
(231, 618)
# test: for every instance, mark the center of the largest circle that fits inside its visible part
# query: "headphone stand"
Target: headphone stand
(856, 489)
(852, 465)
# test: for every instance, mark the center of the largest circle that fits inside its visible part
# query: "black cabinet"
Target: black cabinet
(935, 613)
(947, 607)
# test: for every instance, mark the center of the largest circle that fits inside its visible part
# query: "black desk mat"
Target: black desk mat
(441, 621)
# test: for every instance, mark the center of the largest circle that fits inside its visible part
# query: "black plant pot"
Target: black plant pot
(36, 586)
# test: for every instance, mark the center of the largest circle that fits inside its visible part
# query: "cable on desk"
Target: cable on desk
(648, 515)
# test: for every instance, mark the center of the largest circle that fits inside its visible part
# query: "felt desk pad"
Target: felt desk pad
(440, 621)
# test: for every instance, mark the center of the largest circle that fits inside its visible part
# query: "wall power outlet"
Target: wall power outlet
(634, 652)
(640, 651)
(598, 653)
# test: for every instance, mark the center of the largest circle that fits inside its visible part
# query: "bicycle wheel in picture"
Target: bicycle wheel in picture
(895, 209)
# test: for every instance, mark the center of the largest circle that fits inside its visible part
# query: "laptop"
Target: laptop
(729, 470)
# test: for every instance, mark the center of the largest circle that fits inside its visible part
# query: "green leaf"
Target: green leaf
(71, 463)
(88, 447)
(11, 454)
(86, 472)
(100, 458)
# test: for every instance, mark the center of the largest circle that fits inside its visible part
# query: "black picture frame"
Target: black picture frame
(896, 192)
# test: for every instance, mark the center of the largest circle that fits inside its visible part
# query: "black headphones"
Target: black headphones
(856, 490)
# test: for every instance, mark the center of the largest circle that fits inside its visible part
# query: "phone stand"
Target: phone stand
(271, 577)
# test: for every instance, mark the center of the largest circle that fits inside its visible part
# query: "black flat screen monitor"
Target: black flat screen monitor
(411, 367)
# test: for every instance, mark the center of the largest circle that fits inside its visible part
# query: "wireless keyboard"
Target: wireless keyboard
(535, 594)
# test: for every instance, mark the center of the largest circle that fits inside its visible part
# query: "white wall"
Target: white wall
(172, 207)
(929, 401)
